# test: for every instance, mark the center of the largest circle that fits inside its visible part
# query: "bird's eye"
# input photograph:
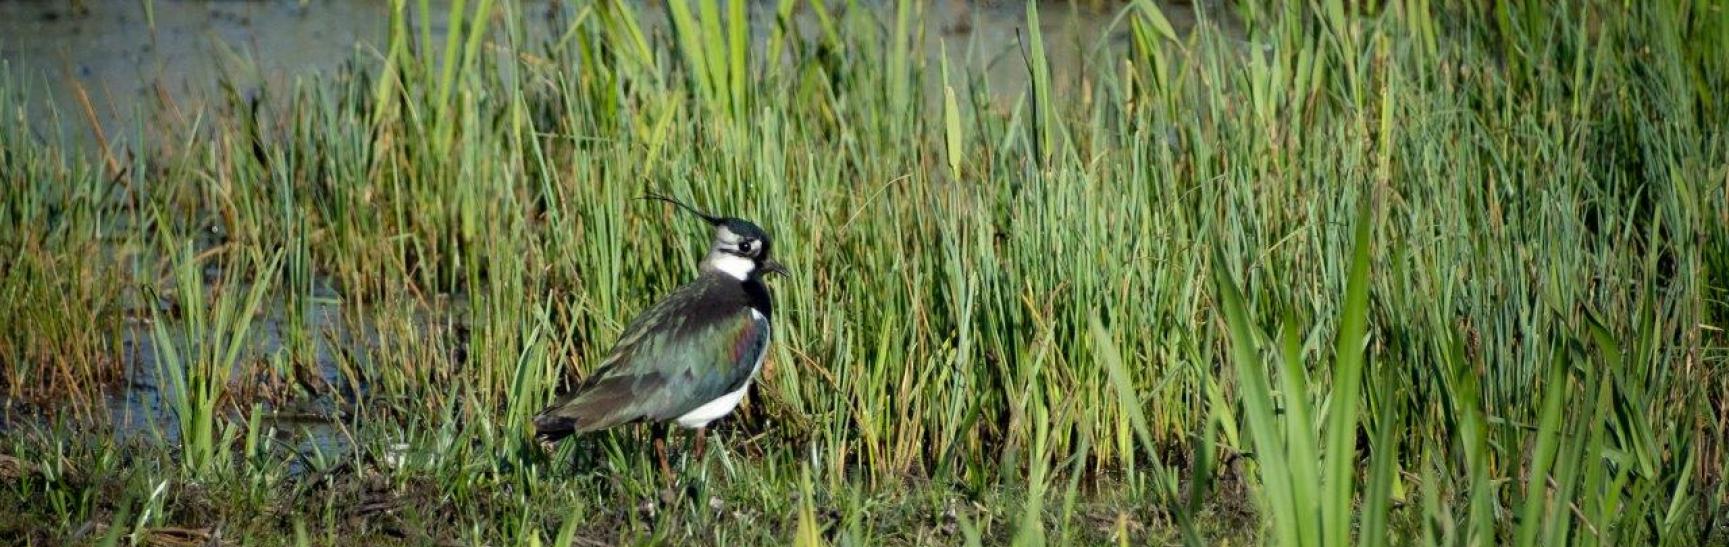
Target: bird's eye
(746, 246)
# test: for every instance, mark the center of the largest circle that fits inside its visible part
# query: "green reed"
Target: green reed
(198, 353)
(1381, 273)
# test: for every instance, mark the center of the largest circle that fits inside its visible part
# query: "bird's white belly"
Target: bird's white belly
(713, 410)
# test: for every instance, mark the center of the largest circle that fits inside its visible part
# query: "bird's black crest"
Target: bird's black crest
(744, 228)
(705, 216)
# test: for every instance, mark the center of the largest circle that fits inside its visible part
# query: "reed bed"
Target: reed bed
(1302, 274)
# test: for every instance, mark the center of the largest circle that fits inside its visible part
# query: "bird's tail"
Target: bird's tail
(550, 428)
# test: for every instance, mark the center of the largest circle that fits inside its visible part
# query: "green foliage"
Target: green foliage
(198, 352)
(1490, 237)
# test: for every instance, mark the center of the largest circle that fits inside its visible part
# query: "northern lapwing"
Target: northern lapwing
(690, 358)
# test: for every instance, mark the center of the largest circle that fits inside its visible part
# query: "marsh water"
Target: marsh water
(94, 73)
(127, 58)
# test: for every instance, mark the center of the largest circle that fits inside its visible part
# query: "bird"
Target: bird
(689, 358)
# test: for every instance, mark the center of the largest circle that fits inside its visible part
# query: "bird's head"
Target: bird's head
(740, 248)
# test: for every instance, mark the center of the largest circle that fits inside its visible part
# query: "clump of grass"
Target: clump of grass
(198, 352)
(1307, 475)
(1004, 320)
(60, 300)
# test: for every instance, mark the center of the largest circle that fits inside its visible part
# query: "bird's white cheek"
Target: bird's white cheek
(736, 266)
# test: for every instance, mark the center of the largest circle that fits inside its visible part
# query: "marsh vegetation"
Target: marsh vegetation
(1310, 273)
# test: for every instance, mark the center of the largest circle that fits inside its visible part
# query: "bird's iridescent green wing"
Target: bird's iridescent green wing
(689, 349)
(710, 362)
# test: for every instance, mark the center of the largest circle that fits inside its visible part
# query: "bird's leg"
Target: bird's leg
(660, 450)
(701, 442)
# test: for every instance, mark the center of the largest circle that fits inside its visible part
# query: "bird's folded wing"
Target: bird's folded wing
(668, 363)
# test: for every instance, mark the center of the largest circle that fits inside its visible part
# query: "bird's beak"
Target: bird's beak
(770, 266)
